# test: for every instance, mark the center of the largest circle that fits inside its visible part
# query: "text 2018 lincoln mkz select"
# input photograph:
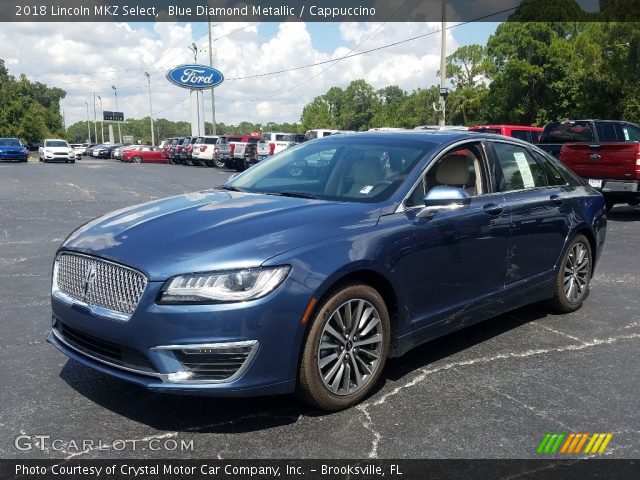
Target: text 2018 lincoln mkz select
(307, 271)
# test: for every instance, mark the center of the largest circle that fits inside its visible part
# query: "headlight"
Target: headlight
(220, 287)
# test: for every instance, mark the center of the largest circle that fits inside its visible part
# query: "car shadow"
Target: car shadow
(621, 213)
(199, 414)
(448, 345)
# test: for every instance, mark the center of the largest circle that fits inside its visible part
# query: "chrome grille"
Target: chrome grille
(98, 283)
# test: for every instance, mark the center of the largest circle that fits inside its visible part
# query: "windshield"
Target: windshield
(9, 142)
(350, 169)
(56, 143)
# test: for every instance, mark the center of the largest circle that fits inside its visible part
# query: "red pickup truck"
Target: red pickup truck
(526, 133)
(606, 153)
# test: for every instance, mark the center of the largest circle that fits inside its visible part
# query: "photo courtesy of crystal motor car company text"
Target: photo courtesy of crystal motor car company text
(392, 230)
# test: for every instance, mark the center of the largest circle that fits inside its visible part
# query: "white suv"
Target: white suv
(54, 149)
(205, 151)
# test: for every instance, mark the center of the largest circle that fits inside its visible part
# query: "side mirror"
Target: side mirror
(443, 198)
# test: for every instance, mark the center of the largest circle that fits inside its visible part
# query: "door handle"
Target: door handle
(493, 209)
(595, 156)
(556, 199)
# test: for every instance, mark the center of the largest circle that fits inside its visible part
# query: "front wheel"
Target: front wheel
(346, 348)
(137, 159)
(220, 164)
(574, 275)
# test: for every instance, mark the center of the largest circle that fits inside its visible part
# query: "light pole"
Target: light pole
(101, 121)
(95, 117)
(115, 91)
(213, 90)
(88, 124)
(444, 91)
(443, 66)
(153, 136)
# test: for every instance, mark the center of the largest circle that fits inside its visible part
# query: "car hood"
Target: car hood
(215, 230)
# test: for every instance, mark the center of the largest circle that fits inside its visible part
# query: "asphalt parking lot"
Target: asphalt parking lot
(490, 391)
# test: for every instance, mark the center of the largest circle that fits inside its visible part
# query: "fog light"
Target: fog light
(179, 376)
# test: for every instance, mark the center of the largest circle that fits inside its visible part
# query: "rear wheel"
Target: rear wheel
(346, 348)
(574, 275)
(220, 163)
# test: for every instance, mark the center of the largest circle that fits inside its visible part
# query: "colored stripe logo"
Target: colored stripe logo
(574, 443)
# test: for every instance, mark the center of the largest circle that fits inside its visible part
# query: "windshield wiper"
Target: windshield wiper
(297, 195)
(230, 188)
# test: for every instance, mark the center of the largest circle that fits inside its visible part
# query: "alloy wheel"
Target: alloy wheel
(576, 273)
(350, 347)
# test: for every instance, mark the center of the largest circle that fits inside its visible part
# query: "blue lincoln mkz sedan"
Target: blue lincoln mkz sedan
(307, 271)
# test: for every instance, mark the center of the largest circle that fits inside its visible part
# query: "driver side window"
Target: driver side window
(460, 167)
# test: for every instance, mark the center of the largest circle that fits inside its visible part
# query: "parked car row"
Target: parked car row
(237, 152)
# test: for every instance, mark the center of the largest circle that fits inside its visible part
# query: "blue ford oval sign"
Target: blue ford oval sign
(195, 77)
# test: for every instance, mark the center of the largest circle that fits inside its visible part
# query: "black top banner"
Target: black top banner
(319, 10)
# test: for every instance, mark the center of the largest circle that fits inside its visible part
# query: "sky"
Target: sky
(88, 58)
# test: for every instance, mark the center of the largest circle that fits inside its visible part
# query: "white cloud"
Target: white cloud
(86, 57)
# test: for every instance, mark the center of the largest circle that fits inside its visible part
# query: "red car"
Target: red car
(528, 134)
(144, 155)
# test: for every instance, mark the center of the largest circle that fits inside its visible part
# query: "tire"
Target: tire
(172, 161)
(72, 161)
(339, 379)
(137, 159)
(572, 279)
(220, 164)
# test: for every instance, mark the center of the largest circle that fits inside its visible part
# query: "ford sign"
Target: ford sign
(195, 77)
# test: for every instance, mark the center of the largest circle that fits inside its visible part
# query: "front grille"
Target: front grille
(99, 283)
(219, 363)
(103, 349)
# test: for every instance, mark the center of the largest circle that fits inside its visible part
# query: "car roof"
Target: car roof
(521, 127)
(441, 137)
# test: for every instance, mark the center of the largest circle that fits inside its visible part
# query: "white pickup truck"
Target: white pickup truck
(278, 141)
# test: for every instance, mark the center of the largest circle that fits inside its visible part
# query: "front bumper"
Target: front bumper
(151, 345)
(59, 158)
(620, 186)
(20, 157)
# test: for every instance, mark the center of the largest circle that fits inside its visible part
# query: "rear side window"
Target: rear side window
(527, 136)
(566, 132)
(628, 133)
(607, 132)
(210, 141)
(553, 174)
(519, 170)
